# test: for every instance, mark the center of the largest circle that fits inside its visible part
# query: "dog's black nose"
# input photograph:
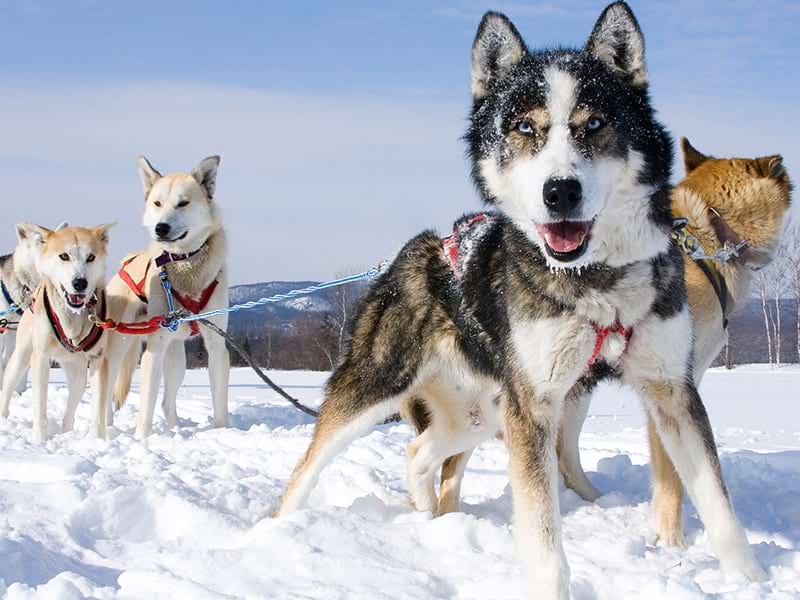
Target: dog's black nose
(162, 229)
(79, 284)
(562, 195)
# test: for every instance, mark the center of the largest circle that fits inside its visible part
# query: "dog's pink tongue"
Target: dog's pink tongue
(564, 236)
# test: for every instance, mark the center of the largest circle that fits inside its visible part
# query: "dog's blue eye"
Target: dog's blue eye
(524, 128)
(594, 124)
(90, 258)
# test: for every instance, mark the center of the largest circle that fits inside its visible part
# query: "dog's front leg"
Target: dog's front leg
(219, 367)
(685, 431)
(16, 369)
(152, 365)
(533, 471)
(75, 372)
(100, 395)
(657, 364)
(40, 377)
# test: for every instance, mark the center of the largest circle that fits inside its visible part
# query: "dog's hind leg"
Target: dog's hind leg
(573, 415)
(342, 419)
(75, 373)
(126, 369)
(450, 488)
(667, 491)
(174, 371)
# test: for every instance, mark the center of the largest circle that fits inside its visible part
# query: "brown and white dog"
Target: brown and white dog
(188, 243)
(57, 325)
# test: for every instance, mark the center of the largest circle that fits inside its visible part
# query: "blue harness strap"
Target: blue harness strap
(9, 299)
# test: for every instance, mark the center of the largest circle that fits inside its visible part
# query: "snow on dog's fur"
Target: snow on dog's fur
(181, 218)
(71, 263)
(565, 147)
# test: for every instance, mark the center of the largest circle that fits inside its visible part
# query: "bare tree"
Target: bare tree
(762, 283)
(791, 240)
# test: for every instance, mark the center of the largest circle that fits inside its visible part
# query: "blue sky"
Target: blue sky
(338, 123)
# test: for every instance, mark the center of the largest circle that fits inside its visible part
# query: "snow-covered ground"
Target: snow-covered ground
(186, 512)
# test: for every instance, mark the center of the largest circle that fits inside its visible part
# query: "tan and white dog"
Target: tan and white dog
(57, 326)
(188, 244)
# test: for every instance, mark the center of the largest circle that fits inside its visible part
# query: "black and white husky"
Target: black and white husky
(570, 279)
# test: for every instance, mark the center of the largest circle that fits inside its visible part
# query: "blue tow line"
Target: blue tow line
(174, 318)
(10, 310)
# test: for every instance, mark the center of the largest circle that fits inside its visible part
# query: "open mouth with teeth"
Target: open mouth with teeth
(177, 239)
(565, 241)
(74, 300)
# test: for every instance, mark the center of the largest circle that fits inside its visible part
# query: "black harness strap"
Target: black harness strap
(717, 281)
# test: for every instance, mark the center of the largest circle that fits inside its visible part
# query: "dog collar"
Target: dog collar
(167, 257)
(8, 298)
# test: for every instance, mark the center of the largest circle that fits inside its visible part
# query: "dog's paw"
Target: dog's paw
(39, 432)
(142, 432)
(674, 538)
(745, 565)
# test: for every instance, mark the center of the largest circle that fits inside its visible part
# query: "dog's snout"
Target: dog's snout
(162, 229)
(562, 195)
(79, 284)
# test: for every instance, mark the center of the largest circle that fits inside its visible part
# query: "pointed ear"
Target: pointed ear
(617, 41)
(772, 166)
(498, 46)
(37, 233)
(206, 174)
(101, 231)
(148, 175)
(692, 157)
(61, 226)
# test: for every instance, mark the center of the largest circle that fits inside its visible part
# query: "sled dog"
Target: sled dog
(725, 201)
(18, 278)
(572, 277)
(56, 326)
(188, 246)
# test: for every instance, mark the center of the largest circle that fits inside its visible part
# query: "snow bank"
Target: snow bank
(186, 512)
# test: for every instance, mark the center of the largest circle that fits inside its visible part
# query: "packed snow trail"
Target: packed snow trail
(186, 512)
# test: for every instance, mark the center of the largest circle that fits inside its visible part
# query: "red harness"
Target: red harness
(451, 245)
(86, 343)
(602, 335)
(189, 303)
(136, 288)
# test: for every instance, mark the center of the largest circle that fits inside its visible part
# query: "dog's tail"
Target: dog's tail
(123, 383)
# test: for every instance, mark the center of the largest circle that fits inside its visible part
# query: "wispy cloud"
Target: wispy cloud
(309, 185)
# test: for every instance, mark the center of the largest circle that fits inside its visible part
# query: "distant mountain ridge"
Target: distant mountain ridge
(295, 321)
